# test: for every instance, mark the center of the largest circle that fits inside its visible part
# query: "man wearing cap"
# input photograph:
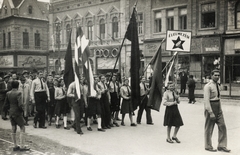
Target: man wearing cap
(214, 114)
(3, 91)
(39, 95)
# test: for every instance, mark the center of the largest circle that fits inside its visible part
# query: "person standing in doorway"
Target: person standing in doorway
(214, 114)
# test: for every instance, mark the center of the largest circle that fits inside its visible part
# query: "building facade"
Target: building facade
(24, 35)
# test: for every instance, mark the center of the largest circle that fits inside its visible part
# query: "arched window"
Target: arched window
(30, 9)
(68, 30)
(90, 30)
(237, 17)
(115, 27)
(102, 29)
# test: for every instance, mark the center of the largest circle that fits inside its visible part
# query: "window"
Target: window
(115, 27)
(9, 39)
(102, 29)
(208, 13)
(170, 20)
(30, 9)
(68, 31)
(140, 23)
(237, 22)
(25, 39)
(90, 30)
(6, 9)
(4, 39)
(183, 19)
(37, 40)
(158, 22)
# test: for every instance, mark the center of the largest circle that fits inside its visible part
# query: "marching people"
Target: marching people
(143, 103)
(115, 104)
(3, 91)
(15, 106)
(51, 103)
(39, 96)
(24, 88)
(172, 115)
(126, 107)
(61, 106)
(92, 104)
(191, 89)
(214, 114)
(105, 101)
(77, 106)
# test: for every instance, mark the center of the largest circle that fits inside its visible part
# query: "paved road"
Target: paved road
(147, 139)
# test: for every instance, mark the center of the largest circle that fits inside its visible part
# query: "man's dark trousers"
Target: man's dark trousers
(40, 101)
(143, 106)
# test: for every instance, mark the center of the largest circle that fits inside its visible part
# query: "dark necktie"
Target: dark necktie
(114, 87)
(63, 91)
(173, 96)
(104, 85)
(41, 83)
(144, 87)
(218, 93)
(128, 90)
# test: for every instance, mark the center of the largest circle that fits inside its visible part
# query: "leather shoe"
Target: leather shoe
(122, 124)
(100, 129)
(43, 127)
(80, 132)
(224, 149)
(133, 124)
(176, 139)
(211, 149)
(116, 124)
(66, 128)
(35, 125)
(25, 148)
(89, 128)
(16, 148)
(138, 122)
(169, 141)
(150, 123)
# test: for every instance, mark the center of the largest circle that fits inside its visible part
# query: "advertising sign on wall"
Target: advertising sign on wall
(6, 61)
(31, 61)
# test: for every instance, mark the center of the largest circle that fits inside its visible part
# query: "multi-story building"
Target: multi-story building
(23, 35)
(213, 24)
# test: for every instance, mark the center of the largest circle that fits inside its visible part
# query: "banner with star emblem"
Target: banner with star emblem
(178, 41)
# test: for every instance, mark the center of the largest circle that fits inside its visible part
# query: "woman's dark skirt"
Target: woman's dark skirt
(61, 107)
(126, 106)
(115, 103)
(94, 107)
(172, 116)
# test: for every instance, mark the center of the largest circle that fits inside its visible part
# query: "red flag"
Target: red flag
(132, 35)
(68, 71)
(155, 95)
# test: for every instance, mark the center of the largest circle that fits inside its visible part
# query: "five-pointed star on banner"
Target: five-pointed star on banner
(178, 43)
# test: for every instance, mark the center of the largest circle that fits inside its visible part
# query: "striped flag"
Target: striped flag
(84, 56)
(170, 70)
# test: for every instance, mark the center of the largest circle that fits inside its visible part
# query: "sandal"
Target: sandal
(176, 139)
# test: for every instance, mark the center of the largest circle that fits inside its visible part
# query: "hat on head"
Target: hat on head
(6, 76)
(25, 71)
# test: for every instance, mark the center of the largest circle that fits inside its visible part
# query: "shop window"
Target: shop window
(208, 15)
(208, 65)
(90, 30)
(37, 40)
(237, 18)
(140, 23)
(183, 19)
(9, 39)
(170, 20)
(4, 39)
(102, 29)
(25, 39)
(115, 27)
(158, 22)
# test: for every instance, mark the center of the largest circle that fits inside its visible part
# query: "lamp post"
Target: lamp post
(58, 25)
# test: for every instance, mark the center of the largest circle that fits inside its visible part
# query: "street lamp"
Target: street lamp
(58, 41)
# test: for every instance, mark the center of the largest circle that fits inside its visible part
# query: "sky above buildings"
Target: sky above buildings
(38, 0)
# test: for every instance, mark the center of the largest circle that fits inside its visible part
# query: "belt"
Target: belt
(215, 101)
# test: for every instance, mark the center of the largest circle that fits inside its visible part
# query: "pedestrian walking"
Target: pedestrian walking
(3, 91)
(172, 115)
(39, 95)
(24, 88)
(183, 81)
(77, 106)
(143, 103)
(191, 89)
(126, 107)
(14, 104)
(214, 114)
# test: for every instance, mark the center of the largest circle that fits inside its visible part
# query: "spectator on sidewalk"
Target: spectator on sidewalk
(14, 103)
(183, 81)
(191, 89)
(214, 114)
(172, 115)
(3, 91)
